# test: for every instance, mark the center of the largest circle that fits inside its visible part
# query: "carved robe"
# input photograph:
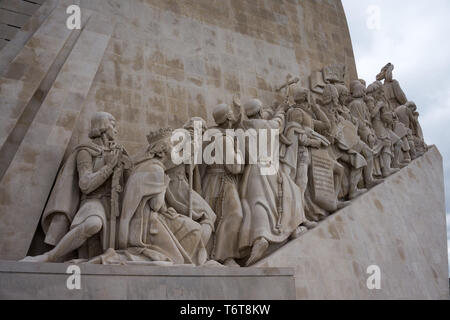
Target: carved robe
(177, 196)
(394, 94)
(272, 204)
(296, 161)
(146, 236)
(221, 192)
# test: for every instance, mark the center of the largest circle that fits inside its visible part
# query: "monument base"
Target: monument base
(48, 281)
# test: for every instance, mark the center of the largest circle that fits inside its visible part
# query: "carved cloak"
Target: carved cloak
(65, 196)
(272, 204)
(146, 235)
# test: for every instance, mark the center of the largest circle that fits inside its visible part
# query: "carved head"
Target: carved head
(357, 89)
(253, 108)
(159, 143)
(386, 73)
(330, 95)
(103, 124)
(223, 114)
(190, 125)
(344, 94)
(301, 95)
(375, 90)
(296, 115)
(411, 105)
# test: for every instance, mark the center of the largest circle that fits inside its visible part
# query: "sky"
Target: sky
(413, 35)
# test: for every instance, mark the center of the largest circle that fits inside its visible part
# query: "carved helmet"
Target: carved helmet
(221, 113)
(301, 94)
(190, 125)
(100, 122)
(252, 107)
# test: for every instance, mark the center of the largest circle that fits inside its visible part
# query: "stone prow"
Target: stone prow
(399, 226)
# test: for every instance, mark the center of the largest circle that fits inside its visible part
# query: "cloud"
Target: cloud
(412, 34)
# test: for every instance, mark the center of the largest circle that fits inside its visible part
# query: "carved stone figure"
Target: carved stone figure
(359, 109)
(186, 200)
(82, 205)
(155, 211)
(347, 146)
(383, 122)
(272, 205)
(220, 190)
(359, 115)
(301, 152)
(392, 90)
(149, 230)
(408, 116)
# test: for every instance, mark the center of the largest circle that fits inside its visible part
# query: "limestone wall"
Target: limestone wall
(399, 226)
(150, 63)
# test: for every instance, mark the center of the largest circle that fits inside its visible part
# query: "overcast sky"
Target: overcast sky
(413, 35)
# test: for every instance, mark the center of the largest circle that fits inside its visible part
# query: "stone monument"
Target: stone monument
(127, 153)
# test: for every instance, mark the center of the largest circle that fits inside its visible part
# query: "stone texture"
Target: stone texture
(48, 282)
(399, 225)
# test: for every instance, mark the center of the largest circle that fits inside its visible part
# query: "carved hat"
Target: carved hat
(252, 107)
(342, 89)
(221, 113)
(162, 134)
(357, 89)
(100, 122)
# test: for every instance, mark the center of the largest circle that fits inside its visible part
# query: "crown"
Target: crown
(159, 135)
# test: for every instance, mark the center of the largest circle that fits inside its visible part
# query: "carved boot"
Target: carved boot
(342, 204)
(309, 224)
(301, 230)
(386, 165)
(230, 262)
(397, 154)
(368, 175)
(259, 247)
(41, 258)
(354, 192)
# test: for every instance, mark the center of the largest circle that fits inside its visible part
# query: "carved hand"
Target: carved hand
(115, 158)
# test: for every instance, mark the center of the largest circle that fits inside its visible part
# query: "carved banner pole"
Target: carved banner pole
(115, 209)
